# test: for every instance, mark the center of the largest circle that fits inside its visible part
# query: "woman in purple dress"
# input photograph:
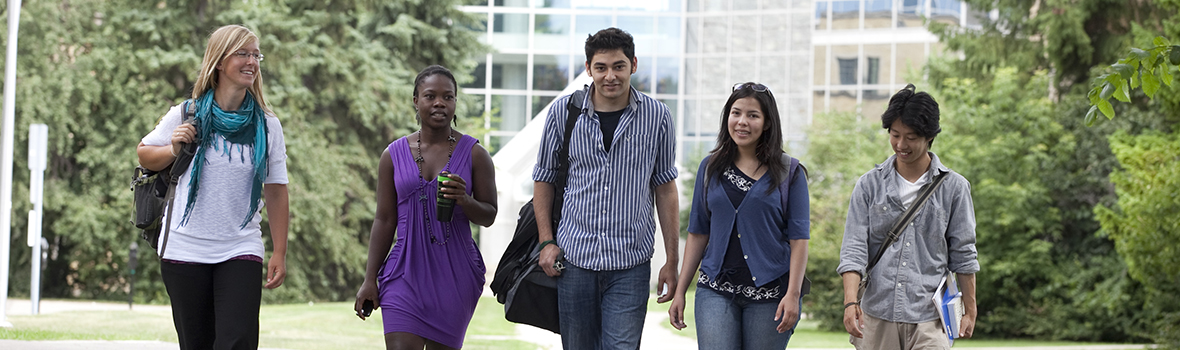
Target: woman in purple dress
(428, 286)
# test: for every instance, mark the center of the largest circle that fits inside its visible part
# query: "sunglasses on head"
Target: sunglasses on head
(753, 86)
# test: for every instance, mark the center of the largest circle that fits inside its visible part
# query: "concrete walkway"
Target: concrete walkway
(655, 336)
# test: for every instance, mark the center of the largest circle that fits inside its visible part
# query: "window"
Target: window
(590, 24)
(480, 77)
(872, 75)
(641, 80)
(911, 12)
(847, 68)
(539, 104)
(550, 72)
(873, 70)
(878, 13)
(508, 112)
(509, 71)
(667, 75)
(821, 15)
(565, 4)
(552, 33)
(668, 36)
(510, 30)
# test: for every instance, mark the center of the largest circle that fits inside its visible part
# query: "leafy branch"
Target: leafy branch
(1141, 68)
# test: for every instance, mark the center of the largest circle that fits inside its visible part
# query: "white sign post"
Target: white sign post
(38, 155)
(6, 143)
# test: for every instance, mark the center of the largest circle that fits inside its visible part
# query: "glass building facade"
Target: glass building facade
(690, 54)
(866, 50)
(728, 42)
(815, 55)
(539, 50)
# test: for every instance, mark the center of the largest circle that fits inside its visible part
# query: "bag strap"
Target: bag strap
(179, 166)
(573, 110)
(792, 165)
(898, 227)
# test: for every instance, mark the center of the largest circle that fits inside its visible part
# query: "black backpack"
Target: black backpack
(155, 190)
(528, 294)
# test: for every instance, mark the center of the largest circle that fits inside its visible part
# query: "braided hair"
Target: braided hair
(431, 71)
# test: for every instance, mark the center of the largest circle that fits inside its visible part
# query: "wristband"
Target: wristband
(545, 243)
(174, 155)
(850, 304)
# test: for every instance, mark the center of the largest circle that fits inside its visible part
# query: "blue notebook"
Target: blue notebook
(949, 302)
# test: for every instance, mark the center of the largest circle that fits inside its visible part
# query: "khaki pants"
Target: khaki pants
(885, 335)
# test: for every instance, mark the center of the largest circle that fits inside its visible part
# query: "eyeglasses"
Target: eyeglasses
(244, 54)
(753, 86)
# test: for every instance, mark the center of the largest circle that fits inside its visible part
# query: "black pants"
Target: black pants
(215, 306)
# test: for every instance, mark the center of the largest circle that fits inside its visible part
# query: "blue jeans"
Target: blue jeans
(602, 309)
(736, 323)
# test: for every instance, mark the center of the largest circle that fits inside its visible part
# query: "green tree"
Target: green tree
(1004, 136)
(1064, 38)
(841, 148)
(339, 76)
(1148, 69)
(1063, 47)
(1144, 225)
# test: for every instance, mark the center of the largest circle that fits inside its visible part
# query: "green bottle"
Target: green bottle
(444, 207)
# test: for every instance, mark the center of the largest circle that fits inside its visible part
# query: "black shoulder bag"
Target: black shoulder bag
(894, 233)
(528, 294)
(155, 191)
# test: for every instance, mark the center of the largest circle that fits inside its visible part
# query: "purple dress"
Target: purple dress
(434, 274)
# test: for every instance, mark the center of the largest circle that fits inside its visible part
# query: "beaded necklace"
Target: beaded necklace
(424, 188)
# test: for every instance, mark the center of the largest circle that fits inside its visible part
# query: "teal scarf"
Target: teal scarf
(244, 128)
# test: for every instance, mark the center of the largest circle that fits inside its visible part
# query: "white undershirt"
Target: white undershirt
(908, 191)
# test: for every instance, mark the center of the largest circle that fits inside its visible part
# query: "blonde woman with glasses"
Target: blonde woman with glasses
(213, 258)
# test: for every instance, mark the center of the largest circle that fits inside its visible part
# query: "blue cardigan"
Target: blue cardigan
(765, 233)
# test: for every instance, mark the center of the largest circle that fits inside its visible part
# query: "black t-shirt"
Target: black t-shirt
(609, 121)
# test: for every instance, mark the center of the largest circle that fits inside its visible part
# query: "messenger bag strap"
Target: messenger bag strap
(179, 166)
(898, 227)
(573, 110)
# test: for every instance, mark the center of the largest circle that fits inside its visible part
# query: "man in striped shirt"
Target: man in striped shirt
(621, 164)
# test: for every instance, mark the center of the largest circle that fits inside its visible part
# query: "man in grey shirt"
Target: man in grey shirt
(896, 311)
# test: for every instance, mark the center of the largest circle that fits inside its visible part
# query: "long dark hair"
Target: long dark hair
(770, 145)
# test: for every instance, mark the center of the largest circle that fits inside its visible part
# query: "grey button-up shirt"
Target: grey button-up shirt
(941, 238)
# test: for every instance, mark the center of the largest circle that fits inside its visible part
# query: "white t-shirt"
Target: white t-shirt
(908, 191)
(213, 233)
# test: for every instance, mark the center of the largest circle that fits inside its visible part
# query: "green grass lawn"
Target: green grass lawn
(335, 326)
(292, 326)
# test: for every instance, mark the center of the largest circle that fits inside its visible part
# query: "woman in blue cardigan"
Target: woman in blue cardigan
(751, 284)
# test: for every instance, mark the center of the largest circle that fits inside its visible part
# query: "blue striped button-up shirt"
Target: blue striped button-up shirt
(607, 219)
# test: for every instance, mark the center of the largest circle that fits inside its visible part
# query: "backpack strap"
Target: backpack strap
(573, 110)
(792, 164)
(178, 167)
